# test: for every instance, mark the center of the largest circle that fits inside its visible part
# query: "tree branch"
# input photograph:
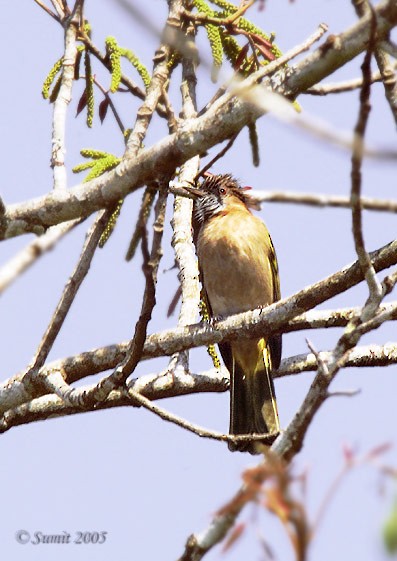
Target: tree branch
(321, 200)
(249, 324)
(63, 99)
(225, 118)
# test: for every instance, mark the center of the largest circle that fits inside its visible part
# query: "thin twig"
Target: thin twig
(27, 256)
(62, 101)
(46, 9)
(85, 398)
(70, 291)
(387, 73)
(150, 269)
(191, 427)
(59, 9)
(143, 217)
(321, 200)
(160, 76)
(111, 104)
(375, 289)
(216, 158)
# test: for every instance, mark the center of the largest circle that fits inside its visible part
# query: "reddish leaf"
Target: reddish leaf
(259, 40)
(266, 52)
(233, 536)
(378, 450)
(82, 103)
(77, 65)
(348, 453)
(103, 109)
(241, 57)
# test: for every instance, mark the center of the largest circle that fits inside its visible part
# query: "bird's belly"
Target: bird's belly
(236, 272)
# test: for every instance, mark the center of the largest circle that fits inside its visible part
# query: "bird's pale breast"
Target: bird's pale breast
(233, 251)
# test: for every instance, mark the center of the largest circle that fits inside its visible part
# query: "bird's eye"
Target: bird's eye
(222, 191)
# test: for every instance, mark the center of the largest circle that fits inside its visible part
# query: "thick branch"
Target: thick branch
(172, 384)
(257, 322)
(225, 118)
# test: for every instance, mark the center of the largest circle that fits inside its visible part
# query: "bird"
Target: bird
(239, 272)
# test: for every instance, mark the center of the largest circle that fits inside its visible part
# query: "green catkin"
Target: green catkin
(226, 6)
(89, 88)
(113, 52)
(111, 224)
(126, 134)
(100, 162)
(251, 28)
(144, 213)
(254, 142)
(87, 28)
(232, 51)
(137, 64)
(174, 60)
(45, 91)
(214, 37)
(229, 9)
(101, 166)
(79, 54)
(211, 350)
(83, 166)
(55, 90)
(94, 154)
(230, 45)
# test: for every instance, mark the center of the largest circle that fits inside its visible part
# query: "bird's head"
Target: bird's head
(215, 193)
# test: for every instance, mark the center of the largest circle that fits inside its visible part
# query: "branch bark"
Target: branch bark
(223, 119)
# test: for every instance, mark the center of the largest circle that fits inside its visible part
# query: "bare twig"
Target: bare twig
(152, 386)
(371, 355)
(216, 158)
(341, 87)
(159, 79)
(25, 258)
(388, 77)
(143, 217)
(85, 398)
(62, 101)
(375, 289)
(150, 269)
(59, 9)
(46, 9)
(321, 200)
(70, 291)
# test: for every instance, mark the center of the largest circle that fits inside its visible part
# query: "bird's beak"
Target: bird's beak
(195, 192)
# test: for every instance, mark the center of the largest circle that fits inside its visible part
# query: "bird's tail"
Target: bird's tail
(253, 407)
